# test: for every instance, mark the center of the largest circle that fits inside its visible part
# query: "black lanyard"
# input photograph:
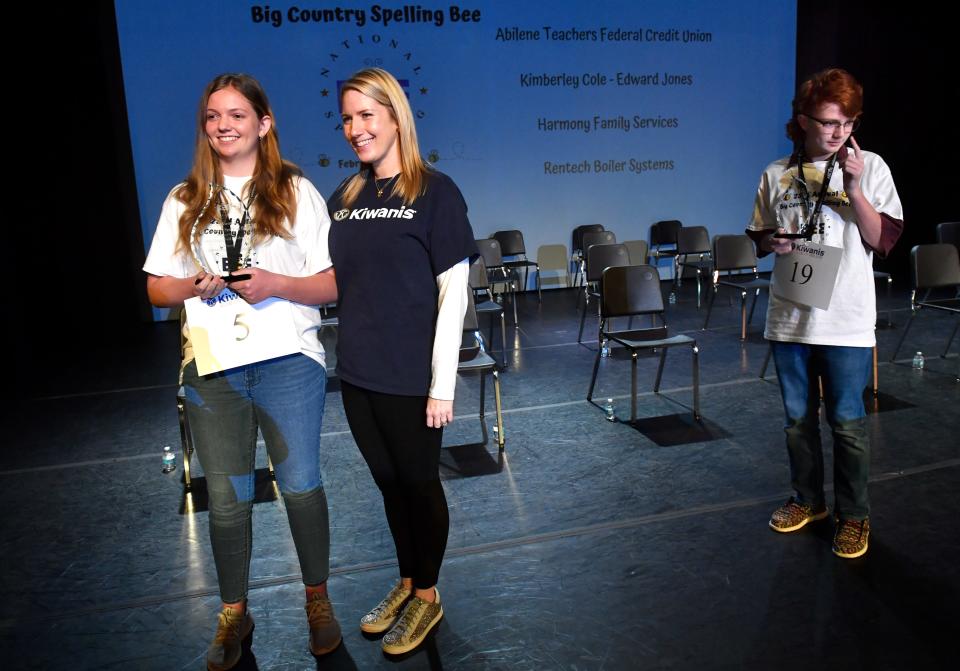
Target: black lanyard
(234, 246)
(813, 219)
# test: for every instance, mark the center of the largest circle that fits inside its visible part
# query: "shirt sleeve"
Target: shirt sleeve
(451, 236)
(163, 259)
(312, 228)
(882, 193)
(451, 308)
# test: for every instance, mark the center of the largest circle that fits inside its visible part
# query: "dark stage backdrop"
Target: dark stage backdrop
(547, 114)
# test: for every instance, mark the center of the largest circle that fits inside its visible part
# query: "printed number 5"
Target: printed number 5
(246, 329)
(806, 272)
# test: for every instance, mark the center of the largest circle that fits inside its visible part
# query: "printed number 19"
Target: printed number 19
(246, 329)
(806, 272)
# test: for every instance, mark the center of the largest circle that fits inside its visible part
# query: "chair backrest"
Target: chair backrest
(478, 274)
(665, 232)
(554, 265)
(734, 252)
(949, 232)
(631, 290)
(639, 251)
(693, 240)
(934, 266)
(598, 238)
(605, 256)
(490, 251)
(511, 243)
(577, 237)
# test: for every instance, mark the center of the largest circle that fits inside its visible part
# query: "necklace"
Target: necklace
(386, 183)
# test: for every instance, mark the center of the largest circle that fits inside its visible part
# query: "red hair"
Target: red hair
(832, 85)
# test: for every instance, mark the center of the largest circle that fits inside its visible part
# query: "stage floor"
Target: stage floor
(587, 544)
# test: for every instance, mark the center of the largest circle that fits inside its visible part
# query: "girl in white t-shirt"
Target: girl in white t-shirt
(246, 218)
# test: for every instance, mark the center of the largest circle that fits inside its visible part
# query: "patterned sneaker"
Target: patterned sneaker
(324, 628)
(850, 538)
(794, 515)
(233, 628)
(418, 618)
(387, 611)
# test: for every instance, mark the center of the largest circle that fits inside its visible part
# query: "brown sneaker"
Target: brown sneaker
(416, 621)
(387, 611)
(794, 515)
(850, 538)
(324, 629)
(233, 628)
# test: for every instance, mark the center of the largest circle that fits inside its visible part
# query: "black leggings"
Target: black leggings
(403, 454)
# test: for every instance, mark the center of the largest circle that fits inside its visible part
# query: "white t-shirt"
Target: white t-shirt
(304, 254)
(852, 315)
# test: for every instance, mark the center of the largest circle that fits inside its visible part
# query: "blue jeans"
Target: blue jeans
(844, 372)
(283, 397)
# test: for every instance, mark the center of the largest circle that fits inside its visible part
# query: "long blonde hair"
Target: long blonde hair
(273, 178)
(383, 87)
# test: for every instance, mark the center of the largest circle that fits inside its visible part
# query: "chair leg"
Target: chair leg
(186, 445)
(663, 360)
(876, 376)
(713, 297)
(696, 381)
(503, 337)
(513, 299)
(766, 362)
(950, 341)
(699, 278)
(633, 386)
(539, 292)
(273, 476)
(483, 394)
(496, 396)
(583, 318)
(743, 315)
(593, 378)
(903, 335)
(753, 306)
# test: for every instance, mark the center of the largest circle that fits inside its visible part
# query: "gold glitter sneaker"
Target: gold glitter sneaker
(416, 621)
(850, 538)
(385, 614)
(794, 515)
(233, 628)
(324, 629)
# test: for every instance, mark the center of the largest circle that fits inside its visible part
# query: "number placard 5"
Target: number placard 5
(227, 332)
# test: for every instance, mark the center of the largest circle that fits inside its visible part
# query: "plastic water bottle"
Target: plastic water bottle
(604, 349)
(918, 361)
(672, 298)
(169, 460)
(496, 434)
(609, 411)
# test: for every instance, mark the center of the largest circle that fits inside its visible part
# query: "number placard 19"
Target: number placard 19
(807, 274)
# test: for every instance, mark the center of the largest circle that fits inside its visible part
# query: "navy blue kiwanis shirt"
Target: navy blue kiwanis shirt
(387, 257)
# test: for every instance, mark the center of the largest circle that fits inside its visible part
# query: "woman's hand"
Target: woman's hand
(262, 284)
(439, 413)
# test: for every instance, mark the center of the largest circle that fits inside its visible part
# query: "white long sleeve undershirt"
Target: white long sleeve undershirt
(451, 307)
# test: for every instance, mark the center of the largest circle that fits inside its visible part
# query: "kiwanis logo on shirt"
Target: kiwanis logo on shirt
(375, 213)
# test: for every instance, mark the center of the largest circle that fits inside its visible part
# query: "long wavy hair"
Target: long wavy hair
(272, 181)
(383, 87)
(832, 85)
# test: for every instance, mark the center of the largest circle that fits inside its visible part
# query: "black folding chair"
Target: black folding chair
(511, 245)
(732, 255)
(629, 291)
